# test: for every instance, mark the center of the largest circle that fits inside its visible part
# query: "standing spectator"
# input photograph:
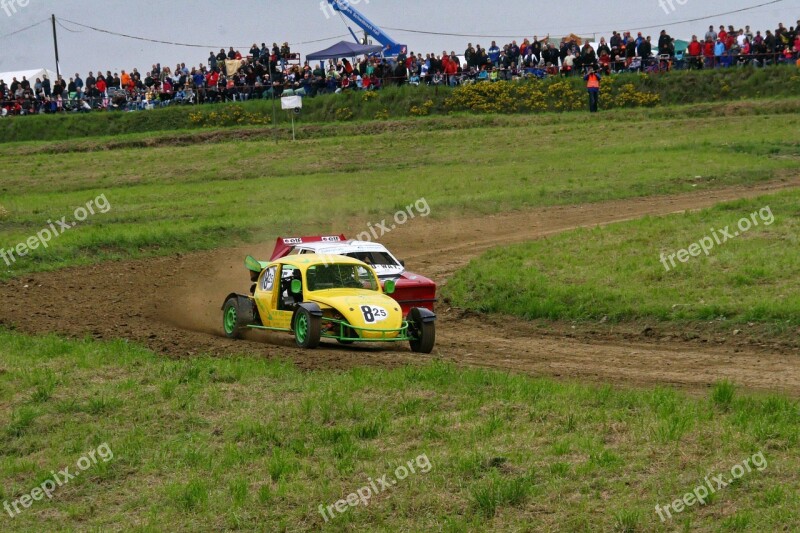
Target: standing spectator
(711, 35)
(616, 40)
(665, 44)
(719, 51)
(551, 56)
(708, 53)
(741, 38)
(72, 89)
(646, 51)
(603, 47)
(78, 84)
(286, 53)
(494, 53)
(694, 51)
(101, 85)
(588, 57)
(45, 87)
(469, 55)
(592, 80)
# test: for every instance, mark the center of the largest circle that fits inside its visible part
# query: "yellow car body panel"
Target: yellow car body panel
(374, 314)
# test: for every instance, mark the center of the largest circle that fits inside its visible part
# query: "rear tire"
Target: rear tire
(234, 319)
(307, 329)
(424, 333)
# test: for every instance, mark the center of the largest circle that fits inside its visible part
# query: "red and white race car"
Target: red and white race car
(411, 290)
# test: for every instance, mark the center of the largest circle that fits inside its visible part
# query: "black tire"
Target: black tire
(307, 329)
(423, 333)
(234, 318)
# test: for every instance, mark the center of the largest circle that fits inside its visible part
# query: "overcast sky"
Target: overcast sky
(240, 23)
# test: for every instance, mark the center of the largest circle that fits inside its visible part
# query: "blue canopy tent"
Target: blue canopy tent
(345, 49)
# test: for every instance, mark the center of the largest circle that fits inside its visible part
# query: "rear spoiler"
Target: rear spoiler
(284, 245)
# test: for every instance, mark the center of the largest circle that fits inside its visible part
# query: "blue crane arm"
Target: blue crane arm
(345, 7)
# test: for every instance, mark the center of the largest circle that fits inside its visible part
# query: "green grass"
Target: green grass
(678, 87)
(170, 199)
(249, 444)
(616, 271)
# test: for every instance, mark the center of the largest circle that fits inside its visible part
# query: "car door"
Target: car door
(269, 297)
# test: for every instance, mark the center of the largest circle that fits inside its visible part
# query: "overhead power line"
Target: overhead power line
(25, 28)
(488, 36)
(173, 43)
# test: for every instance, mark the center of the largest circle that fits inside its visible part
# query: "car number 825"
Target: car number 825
(373, 314)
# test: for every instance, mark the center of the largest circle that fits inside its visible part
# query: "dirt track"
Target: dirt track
(172, 306)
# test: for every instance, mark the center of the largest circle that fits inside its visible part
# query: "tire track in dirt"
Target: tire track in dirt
(171, 304)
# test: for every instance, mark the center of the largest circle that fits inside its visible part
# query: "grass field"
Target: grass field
(245, 444)
(169, 199)
(618, 272)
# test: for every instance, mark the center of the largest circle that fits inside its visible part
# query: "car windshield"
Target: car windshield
(382, 259)
(339, 276)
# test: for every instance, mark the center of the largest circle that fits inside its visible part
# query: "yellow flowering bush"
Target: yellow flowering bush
(628, 96)
(565, 97)
(344, 113)
(382, 114)
(538, 96)
(228, 116)
(421, 111)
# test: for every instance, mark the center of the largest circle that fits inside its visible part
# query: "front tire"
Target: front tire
(234, 319)
(307, 329)
(423, 333)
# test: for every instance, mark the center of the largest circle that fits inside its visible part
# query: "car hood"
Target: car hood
(361, 308)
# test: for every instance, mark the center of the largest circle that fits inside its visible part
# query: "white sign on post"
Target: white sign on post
(291, 103)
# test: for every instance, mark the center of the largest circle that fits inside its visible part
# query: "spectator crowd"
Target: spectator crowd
(271, 72)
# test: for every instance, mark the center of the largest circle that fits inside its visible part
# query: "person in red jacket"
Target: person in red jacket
(708, 52)
(451, 70)
(694, 51)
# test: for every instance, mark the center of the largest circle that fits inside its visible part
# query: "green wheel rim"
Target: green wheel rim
(230, 319)
(301, 329)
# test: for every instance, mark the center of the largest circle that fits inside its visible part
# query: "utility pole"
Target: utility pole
(55, 44)
(274, 117)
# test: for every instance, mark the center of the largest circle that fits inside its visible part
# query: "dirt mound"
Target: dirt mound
(172, 305)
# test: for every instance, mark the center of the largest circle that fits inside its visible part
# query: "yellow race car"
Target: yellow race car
(316, 297)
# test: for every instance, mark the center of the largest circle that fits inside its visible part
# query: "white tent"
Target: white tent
(31, 75)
